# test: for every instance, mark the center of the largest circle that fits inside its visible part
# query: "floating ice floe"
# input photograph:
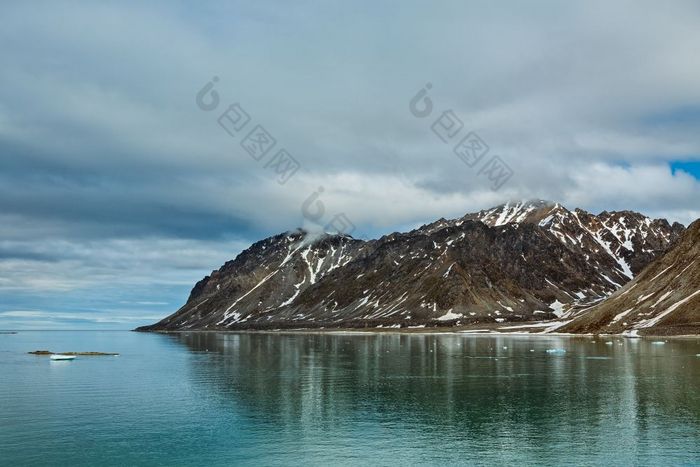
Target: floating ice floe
(658, 343)
(556, 351)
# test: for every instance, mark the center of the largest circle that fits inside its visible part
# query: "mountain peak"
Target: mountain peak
(516, 212)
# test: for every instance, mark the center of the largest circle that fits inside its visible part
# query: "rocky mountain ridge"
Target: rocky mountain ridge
(663, 300)
(519, 262)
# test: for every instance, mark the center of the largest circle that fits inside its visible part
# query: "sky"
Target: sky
(126, 166)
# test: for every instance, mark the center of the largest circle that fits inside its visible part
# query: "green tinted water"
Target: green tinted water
(331, 399)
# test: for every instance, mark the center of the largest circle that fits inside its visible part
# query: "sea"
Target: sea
(345, 398)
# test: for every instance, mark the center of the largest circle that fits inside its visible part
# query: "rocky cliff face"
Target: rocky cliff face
(517, 262)
(663, 299)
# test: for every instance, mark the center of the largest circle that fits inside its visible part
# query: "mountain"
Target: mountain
(517, 262)
(663, 300)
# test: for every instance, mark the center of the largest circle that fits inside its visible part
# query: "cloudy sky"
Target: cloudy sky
(118, 191)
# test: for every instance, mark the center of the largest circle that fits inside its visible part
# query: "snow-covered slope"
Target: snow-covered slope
(620, 244)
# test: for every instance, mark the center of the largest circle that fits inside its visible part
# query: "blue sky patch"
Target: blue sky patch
(691, 167)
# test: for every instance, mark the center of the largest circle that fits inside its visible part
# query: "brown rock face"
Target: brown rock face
(517, 262)
(663, 300)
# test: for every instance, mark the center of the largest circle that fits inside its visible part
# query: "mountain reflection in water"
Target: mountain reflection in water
(458, 397)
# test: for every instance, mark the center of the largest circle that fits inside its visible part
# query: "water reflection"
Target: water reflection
(488, 398)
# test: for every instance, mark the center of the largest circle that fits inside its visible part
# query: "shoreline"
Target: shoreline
(419, 331)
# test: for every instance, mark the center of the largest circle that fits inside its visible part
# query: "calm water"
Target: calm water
(265, 399)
